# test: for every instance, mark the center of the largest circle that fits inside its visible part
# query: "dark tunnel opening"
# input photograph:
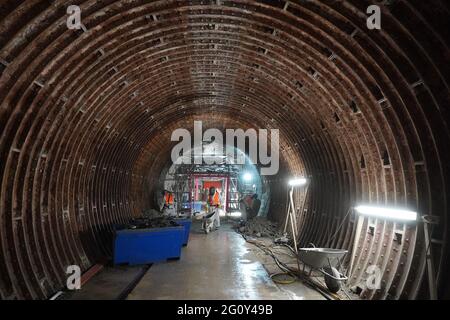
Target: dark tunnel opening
(87, 116)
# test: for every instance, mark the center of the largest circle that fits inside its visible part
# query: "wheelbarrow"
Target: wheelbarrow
(327, 261)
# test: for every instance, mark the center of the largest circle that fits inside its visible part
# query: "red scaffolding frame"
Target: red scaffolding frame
(196, 176)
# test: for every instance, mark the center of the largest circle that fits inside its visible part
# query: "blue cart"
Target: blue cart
(186, 223)
(144, 246)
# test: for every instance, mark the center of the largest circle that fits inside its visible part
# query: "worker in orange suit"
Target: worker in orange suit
(168, 207)
(168, 199)
(214, 200)
(214, 204)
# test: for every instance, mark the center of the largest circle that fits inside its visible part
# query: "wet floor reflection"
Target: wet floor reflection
(214, 266)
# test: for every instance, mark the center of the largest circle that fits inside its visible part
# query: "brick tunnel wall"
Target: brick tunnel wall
(86, 117)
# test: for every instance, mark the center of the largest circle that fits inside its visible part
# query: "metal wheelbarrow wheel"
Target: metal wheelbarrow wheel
(332, 284)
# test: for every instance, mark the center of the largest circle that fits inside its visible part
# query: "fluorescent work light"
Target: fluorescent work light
(387, 213)
(297, 182)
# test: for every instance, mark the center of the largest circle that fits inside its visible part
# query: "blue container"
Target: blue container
(143, 246)
(186, 223)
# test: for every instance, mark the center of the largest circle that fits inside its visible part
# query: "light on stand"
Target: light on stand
(291, 215)
(297, 182)
(387, 213)
(400, 215)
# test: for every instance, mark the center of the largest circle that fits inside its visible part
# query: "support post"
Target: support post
(287, 214)
(427, 222)
(355, 243)
(291, 218)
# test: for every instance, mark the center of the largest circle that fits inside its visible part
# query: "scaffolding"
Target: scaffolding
(182, 178)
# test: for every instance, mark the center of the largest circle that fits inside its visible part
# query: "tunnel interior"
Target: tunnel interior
(87, 117)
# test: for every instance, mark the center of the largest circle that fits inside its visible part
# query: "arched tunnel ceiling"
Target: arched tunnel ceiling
(86, 118)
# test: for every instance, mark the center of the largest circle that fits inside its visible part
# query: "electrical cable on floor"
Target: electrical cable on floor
(346, 293)
(283, 278)
(298, 274)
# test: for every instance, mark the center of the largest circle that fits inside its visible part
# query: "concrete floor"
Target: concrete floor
(220, 265)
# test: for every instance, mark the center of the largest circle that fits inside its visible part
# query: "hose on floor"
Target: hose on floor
(283, 278)
(293, 272)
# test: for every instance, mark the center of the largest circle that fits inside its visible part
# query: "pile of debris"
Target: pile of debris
(260, 227)
(146, 223)
(151, 214)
